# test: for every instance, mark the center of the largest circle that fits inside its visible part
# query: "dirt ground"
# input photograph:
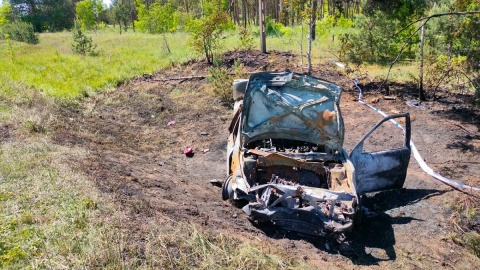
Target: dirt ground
(138, 159)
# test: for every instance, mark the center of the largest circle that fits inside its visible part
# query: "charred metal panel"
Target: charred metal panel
(305, 221)
(382, 170)
(292, 106)
(276, 159)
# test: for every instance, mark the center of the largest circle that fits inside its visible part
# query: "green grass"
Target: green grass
(52, 68)
(45, 208)
(198, 249)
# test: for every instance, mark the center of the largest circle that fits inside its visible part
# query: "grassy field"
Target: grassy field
(52, 68)
(52, 216)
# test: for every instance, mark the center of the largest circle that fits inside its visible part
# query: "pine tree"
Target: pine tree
(82, 43)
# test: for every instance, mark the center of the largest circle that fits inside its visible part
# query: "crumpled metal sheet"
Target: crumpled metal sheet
(293, 106)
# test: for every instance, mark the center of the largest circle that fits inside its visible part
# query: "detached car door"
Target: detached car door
(382, 170)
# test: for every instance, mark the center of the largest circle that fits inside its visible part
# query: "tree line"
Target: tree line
(58, 15)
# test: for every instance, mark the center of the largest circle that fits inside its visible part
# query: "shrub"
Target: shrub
(372, 43)
(206, 33)
(221, 84)
(21, 31)
(246, 39)
(273, 28)
(446, 70)
(344, 22)
(324, 26)
(5, 14)
(81, 43)
(472, 241)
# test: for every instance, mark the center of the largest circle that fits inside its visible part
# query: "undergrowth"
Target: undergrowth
(465, 221)
(221, 81)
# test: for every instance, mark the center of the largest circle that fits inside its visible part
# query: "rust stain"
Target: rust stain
(276, 119)
(325, 118)
(274, 159)
(235, 163)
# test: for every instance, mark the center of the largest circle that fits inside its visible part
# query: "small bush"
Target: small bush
(206, 33)
(344, 22)
(287, 31)
(21, 31)
(273, 28)
(82, 43)
(34, 126)
(472, 242)
(464, 221)
(246, 39)
(221, 84)
(239, 70)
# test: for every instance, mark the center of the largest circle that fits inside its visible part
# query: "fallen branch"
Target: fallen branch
(201, 77)
(188, 78)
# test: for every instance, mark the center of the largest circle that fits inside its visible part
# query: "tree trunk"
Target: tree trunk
(244, 13)
(261, 16)
(313, 19)
(301, 48)
(310, 31)
(420, 81)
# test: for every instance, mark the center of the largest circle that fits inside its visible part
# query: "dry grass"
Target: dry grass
(185, 246)
(465, 221)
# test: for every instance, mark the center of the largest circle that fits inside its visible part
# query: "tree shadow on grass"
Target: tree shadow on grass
(374, 233)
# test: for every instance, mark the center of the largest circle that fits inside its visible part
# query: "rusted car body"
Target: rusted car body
(286, 162)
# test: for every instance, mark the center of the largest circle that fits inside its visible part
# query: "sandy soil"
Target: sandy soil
(136, 157)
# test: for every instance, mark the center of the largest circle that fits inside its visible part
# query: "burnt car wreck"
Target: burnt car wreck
(286, 162)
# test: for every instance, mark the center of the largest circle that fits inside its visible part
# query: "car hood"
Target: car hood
(292, 106)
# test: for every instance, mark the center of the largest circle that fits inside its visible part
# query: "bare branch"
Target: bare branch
(399, 54)
(456, 13)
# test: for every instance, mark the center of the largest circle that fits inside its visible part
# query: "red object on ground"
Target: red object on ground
(188, 150)
(171, 123)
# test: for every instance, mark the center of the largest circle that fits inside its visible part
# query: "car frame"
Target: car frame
(286, 161)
